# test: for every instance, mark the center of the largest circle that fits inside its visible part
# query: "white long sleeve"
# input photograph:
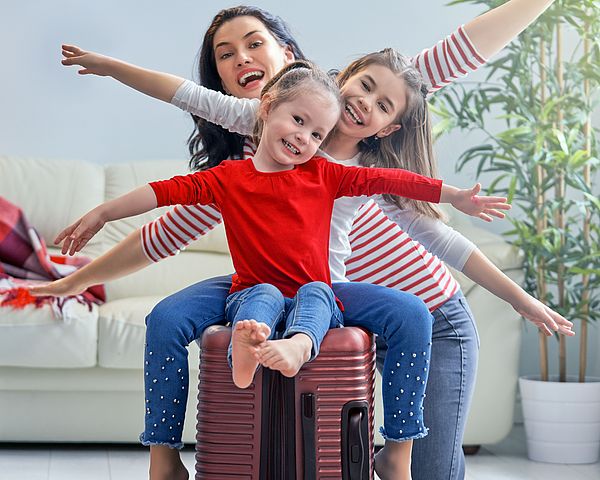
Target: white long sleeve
(438, 238)
(237, 115)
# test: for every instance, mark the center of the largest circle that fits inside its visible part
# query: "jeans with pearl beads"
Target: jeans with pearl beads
(401, 319)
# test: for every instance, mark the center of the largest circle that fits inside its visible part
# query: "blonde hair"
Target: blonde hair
(293, 80)
(410, 147)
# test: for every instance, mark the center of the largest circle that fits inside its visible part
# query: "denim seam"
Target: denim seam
(149, 443)
(416, 436)
(464, 305)
(462, 385)
(461, 394)
(292, 329)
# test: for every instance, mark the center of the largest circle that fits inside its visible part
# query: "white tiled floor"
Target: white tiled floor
(504, 461)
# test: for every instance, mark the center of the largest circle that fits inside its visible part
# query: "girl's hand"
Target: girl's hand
(92, 63)
(484, 207)
(546, 319)
(77, 235)
(59, 288)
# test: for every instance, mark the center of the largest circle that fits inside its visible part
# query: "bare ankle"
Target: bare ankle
(393, 461)
(166, 464)
(304, 342)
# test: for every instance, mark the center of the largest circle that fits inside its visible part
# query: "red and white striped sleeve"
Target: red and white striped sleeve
(452, 58)
(170, 233)
(176, 229)
(383, 254)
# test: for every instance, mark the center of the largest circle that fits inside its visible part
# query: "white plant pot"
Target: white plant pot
(562, 419)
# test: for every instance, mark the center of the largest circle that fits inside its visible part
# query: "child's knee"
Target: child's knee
(320, 289)
(269, 291)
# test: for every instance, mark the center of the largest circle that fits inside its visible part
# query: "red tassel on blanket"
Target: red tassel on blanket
(20, 298)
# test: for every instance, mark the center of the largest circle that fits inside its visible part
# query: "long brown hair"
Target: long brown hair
(410, 147)
(209, 144)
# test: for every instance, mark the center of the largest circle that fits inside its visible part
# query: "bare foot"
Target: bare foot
(392, 462)
(166, 464)
(245, 338)
(287, 355)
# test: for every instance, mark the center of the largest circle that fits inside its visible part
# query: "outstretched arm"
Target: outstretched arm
(469, 46)
(495, 29)
(76, 236)
(156, 84)
(482, 271)
(124, 258)
(235, 114)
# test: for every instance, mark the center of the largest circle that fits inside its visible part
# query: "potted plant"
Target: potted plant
(544, 90)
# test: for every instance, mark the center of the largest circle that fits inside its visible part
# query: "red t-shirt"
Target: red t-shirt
(277, 223)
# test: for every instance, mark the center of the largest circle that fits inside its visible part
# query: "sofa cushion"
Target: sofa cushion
(122, 331)
(124, 177)
(39, 338)
(52, 193)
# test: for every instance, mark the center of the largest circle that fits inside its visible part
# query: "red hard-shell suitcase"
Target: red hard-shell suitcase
(316, 426)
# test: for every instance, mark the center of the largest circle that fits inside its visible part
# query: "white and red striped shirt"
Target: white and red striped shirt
(376, 250)
(383, 254)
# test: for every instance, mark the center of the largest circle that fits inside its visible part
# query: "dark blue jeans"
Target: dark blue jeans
(449, 391)
(312, 311)
(401, 319)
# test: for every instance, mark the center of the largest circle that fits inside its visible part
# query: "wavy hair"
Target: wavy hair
(410, 147)
(209, 144)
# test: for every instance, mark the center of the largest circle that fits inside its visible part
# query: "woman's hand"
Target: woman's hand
(59, 288)
(77, 235)
(92, 63)
(468, 201)
(546, 319)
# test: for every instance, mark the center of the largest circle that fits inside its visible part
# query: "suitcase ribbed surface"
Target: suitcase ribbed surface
(343, 371)
(228, 430)
(229, 419)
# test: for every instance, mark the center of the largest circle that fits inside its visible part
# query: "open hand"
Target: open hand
(77, 235)
(468, 201)
(92, 63)
(546, 319)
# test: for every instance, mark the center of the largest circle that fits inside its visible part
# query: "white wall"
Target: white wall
(49, 111)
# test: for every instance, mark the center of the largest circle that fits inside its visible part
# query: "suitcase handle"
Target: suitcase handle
(308, 436)
(355, 441)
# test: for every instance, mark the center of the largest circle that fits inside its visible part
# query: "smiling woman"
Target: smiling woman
(240, 40)
(247, 56)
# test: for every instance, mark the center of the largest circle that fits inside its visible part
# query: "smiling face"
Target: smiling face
(247, 56)
(294, 129)
(374, 98)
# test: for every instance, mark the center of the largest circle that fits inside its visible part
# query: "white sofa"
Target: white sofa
(80, 379)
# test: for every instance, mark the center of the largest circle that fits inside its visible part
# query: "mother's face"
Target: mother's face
(247, 56)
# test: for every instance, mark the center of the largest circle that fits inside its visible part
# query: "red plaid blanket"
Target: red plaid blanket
(24, 260)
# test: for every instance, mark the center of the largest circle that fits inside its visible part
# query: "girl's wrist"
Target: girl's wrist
(102, 213)
(448, 194)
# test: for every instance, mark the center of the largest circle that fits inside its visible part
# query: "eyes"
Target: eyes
(300, 121)
(251, 46)
(367, 88)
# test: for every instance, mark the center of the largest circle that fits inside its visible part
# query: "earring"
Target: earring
(372, 142)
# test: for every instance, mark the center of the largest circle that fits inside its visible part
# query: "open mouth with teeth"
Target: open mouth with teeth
(290, 147)
(250, 77)
(353, 115)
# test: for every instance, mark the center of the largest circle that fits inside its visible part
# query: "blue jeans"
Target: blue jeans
(449, 391)
(312, 311)
(401, 319)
